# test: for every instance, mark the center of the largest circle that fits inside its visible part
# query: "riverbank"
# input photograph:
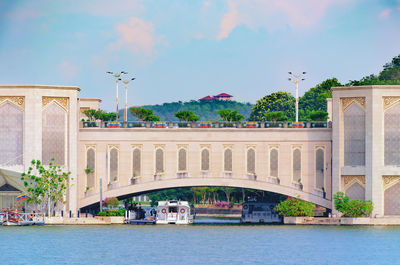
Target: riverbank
(360, 221)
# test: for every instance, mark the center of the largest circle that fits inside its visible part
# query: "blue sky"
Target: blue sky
(183, 50)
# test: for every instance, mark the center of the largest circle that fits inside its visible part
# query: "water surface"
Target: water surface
(199, 244)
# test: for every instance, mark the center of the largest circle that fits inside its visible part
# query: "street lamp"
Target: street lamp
(126, 82)
(117, 78)
(296, 79)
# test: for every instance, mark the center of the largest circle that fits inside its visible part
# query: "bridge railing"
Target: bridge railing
(206, 124)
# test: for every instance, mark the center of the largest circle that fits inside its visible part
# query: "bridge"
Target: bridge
(131, 161)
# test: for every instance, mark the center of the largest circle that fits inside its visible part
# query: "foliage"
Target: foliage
(143, 114)
(295, 207)
(44, 183)
(93, 115)
(206, 110)
(275, 116)
(186, 115)
(111, 202)
(119, 212)
(90, 113)
(278, 101)
(318, 115)
(352, 208)
(230, 115)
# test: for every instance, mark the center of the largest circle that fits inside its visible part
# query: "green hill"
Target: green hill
(205, 110)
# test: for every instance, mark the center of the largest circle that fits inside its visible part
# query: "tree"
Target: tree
(318, 115)
(295, 207)
(278, 101)
(143, 114)
(352, 208)
(186, 115)
(45, 185)
(90, 113)
(230, 115)
(275, 116)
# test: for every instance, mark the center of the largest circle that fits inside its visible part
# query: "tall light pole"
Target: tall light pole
(296, 79)
(126, 82)
(117, 78)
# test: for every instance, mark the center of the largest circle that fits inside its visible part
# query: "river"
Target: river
(227, 243)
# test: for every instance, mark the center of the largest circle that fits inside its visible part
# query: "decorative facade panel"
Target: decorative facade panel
(136, 162)
(356, 192)
(296, 165)
(251, 161)
(354, 135)
(159, 161)
(392, 135)
(228, 160)
(53, 134)
(273, 163)
(182, 157)
(114, 157)
(11, 134)
(392, 200)
(91, 165)
(205, 159)
(319, 169)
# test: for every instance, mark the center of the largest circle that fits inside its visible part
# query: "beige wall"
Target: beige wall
(194, 139)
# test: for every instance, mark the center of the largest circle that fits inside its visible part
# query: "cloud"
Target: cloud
(109, 8)
(206, 4)
(273, 14)
(137, 36)
(68, 70)
(385, 13)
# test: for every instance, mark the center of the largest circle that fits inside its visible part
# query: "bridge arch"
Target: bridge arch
(131, 190)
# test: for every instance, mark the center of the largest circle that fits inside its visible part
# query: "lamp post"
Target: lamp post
(117, 78)
(126, 82)
(296, 79)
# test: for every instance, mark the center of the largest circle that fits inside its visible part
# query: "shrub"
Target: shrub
(112, 202)
(119, 212)
(353, 208)
(295, 207)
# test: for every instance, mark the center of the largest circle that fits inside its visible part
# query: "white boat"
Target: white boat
(174, 212)
(259, 212)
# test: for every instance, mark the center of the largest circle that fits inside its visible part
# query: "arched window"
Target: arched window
(205, 159)
(136, 162)
(53, 134)
(228, 160)
(11, 134)
(182, 165)
(113, 164)
(273, 163)
(90, 165)
(159, 161)
(392, 135)
(354, 136)
(251, 161)
(319, 169)
(296, 165)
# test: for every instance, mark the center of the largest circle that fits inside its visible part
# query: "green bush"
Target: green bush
(112, 202)
(353, 208)
(295, 207)
(119, 212)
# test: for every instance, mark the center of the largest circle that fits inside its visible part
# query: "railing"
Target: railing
(22, 218)
(206, 125)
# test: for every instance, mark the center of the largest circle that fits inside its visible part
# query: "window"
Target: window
(205, 159)
(296, 165)
(136, 162)
(273, 163)
(90, 165)
(392, 135)
(251, 161)
(354, 136)
(53, 134)
(182, 165)
(319, 169)
(159, 161)
(11, 134)
(228, 160)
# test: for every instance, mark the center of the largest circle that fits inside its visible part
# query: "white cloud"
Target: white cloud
(385, 13)
(273, 14)
(137, 36)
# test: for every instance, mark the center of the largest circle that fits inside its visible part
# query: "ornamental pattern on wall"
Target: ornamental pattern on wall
(60, 100)
(18, 101)
(346, 102)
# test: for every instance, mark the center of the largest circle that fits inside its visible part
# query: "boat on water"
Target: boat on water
(259, 212)
(174, 212)
(13, 218)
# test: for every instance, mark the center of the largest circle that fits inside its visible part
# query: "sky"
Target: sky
(179, 50)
